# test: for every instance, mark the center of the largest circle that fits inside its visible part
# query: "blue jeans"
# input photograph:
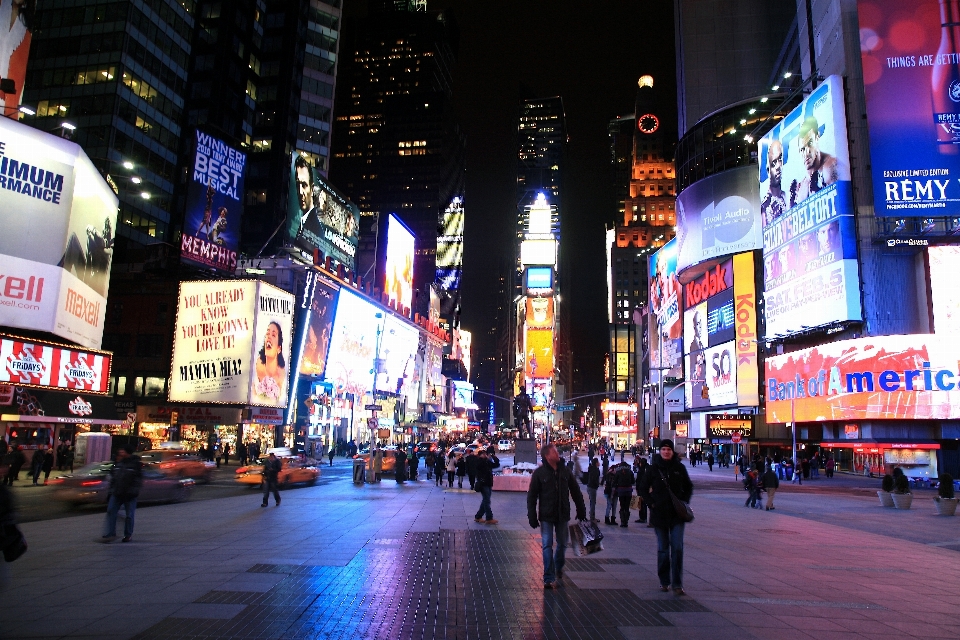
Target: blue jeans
(113, 508)
(611, 506)
(670, 555)
(485, 509)
(552, 564)
(592, 493)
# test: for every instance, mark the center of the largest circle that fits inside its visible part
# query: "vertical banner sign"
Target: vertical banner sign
(666, 331)
(912, 49)
(745, 306)
(810, 270)
(211, 224)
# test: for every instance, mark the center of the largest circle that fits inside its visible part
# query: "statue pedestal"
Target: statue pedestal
(526, 451)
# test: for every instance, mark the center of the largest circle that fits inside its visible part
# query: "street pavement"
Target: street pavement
(408, 561)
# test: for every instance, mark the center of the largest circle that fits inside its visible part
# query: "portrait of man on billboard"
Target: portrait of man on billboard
(822, 168)
(775, 202)
(306, 197)
(16, 17)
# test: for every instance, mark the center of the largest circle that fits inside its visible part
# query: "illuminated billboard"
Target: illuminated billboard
(15, 48)
(58, 217)
(666, 318)
(538, 252)
(35, 363)
(353, 345)
(539, 278)
(907, 377)
(232, 343)
(810, 273)
(944, 267)
(398, 272)
(712, 379)
(539, 353)
(318, 306)
(319, 216)
(913, 142)
(540, 313)
(463, 395)
(708, 315)
(450, 246)
(398, 352)
(540, 216)
(211, 223)
(745, 310)
(717, 216)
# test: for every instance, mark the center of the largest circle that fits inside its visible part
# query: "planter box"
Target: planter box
(946, 506)
(513, 482)
(886, 499)
(902, 500)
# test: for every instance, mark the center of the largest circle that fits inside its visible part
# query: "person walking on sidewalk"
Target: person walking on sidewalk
(667, 474)
(548, 507)
(226, 454)
(36, 464)
(330, 455)
(400, 469)
(624, 490)
(751, 482)
(641, 472)
(271, 472)
(710, 461)
(439, 467)
(470, 463)
(797, 473)
(451, 468)
(770, 484)
(47, 464)
(593, 483)
(428, 464)
(126, 479)
(609, 479)
(486, 463)
(829, 466)
(461, 470)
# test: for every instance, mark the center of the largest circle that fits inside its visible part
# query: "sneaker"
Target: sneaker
(664, 588)
(549, 585)
(125, 539)
(491, 521)
(107, 538)
(623, 526)
(679, 591)
(264, 504)
(478, 520)
(278, 502)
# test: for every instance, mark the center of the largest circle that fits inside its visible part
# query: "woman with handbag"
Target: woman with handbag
(667, 488)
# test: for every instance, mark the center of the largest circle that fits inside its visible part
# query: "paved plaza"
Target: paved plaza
(396, 562)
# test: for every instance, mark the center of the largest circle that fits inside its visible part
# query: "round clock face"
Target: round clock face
(648, 123)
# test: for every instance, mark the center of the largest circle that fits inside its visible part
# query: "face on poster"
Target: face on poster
(666, 341)
(398, 351)
(718, 385)
(319, 216)
(272, 338)
(944, 267)
(809, 240)
(539, 353)
(353, 345)
(211, 225)
(718, 215)
(913, 142)
(398, 276)
(319, 328)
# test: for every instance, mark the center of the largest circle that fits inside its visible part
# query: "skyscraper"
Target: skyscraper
(397, 146)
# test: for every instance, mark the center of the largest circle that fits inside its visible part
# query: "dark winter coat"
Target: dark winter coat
(654, 491)
(770, 480)
(485, 467)
(126, 478)
(271, 469)
(553, 490)
(593, 477)
(623, 480)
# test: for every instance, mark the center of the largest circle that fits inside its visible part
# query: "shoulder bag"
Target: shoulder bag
(683, 510)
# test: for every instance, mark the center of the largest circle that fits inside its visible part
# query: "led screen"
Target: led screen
(353, 344)
(463, 395)
(398, 272)
(320, 305)
(30, 363)
(913, 142)
(718, 215)
(542, 252)
(449, 278)
(319, 216)
(666, 342)
(944, 267)
(904, 377)
(712, 380)
(809, 239)
(539, 353)
(398, 351)
(539, 278)
(211, 225)
(540, 313)
(450, 241)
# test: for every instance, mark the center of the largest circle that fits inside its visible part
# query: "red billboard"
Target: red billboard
(32, 363)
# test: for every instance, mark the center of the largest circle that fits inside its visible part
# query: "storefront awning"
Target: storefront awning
(14, 418)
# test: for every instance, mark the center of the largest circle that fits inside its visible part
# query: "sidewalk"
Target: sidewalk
(397, 562)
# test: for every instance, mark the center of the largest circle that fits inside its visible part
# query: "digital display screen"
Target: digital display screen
(354, 344)
(540, 313)
(666, 318)
(463, 395)
(712, 380)
(944, 267)
(398, 272)
(811, 274)
(398, 352)
(540, 252)
(539, 353)
(539, 278)
(450, 241)
(319, 306)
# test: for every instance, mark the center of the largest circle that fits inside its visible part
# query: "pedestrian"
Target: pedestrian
(451, 468)
(461, 470)
(439, 467)
(610, 515)
(378, 464)
(202, 452)
(641, 472)
(770, 484)
(330, 455)
(14, 461)
(829, 466)
(815, 466)
(548, 507)
(47, 464)
(624, 490)
(71, 454)
(606, 464)
(805, 467)
(400, 469)
(710, 460)
(667, 474)
(593, 483)
(126, 478)
(486, 463)
(271, 473)
(797, 473)
(751, 483)
(428, 461)
(242, 453)
(414, 465)
(470, 463)
(8, 515)
(36, 464)
(226, 454)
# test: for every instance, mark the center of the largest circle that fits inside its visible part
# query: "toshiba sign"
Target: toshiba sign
(59, 219)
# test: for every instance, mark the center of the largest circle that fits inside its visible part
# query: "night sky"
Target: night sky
(591, 54)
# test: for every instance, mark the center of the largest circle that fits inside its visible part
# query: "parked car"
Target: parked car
(90, 485)
(179, 463)
(292, 471)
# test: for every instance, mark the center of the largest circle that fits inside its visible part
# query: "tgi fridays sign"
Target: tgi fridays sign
(190, 415)
(30, 363)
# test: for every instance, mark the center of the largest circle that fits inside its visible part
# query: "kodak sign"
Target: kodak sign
(745, 307)
(718, 279)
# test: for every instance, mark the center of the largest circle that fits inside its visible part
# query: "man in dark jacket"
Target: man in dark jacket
(609, 480)
(470, 462)
(770, 484)
(553, 486)
(400, 468)
(486, 463)
(36, 464)
(593, 483)
(641, 472)
(623, 486)
(126, 478)
(667, 474)
(271, 472)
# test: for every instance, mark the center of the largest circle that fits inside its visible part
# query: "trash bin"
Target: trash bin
(359, 470)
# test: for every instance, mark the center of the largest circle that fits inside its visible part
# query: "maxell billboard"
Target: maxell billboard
(58, 217)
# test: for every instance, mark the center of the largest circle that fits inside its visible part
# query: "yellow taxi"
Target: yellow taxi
(292, 471)
(178, 463)
(389, 460)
